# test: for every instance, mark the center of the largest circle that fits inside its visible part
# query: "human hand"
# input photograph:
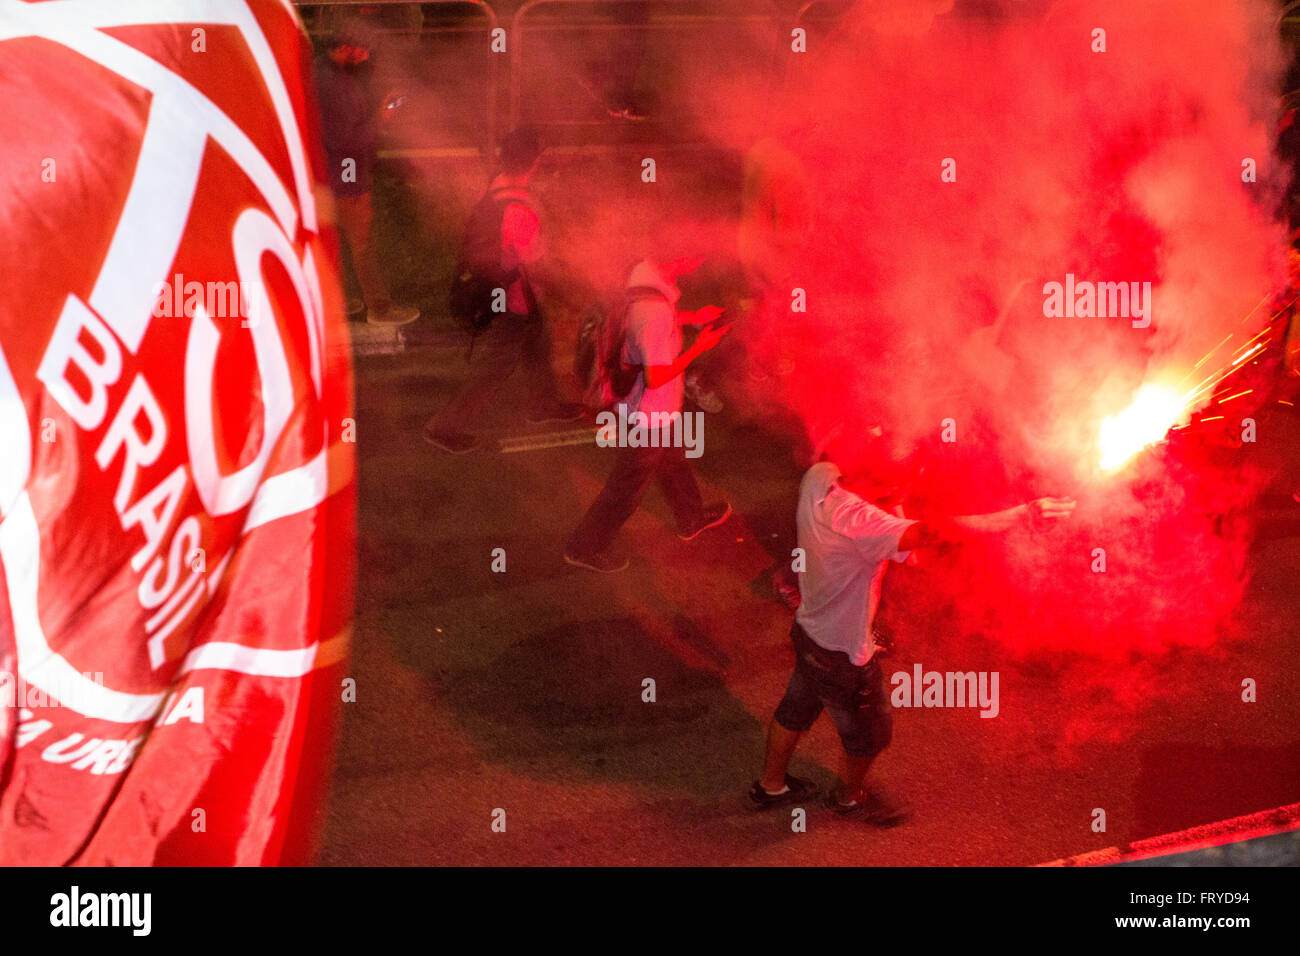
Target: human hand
(710, 336)
(1043, 511)
(706, 315)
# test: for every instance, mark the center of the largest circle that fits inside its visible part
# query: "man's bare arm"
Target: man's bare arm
(938, 531)
(656, 375)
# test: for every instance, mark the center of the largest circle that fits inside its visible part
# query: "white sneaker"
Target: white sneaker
(707, 400)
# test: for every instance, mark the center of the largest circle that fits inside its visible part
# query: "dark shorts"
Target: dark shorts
(855, 697)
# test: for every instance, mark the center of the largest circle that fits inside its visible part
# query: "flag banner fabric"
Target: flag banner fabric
(177, 491)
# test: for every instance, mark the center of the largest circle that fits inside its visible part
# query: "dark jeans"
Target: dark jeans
(855, 697)
(509, 341)
(633, 470)
(356, 217)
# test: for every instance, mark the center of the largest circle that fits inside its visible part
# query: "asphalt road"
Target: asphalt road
(521, 691)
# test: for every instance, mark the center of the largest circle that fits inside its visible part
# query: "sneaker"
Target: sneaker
(455, 443)
(562, 412)
(796, 791)
(708, 401)
(604, 562)
(393, 315)
(705, 398)
(871, 807)
(713, 515)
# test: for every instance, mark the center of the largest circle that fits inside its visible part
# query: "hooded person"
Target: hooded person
(652, 344)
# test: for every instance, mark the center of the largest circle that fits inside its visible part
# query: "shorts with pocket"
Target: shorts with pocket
(854, 695)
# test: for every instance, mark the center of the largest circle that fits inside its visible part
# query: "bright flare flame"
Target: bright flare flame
(1155, 409)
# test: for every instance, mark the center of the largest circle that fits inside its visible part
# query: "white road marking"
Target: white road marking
(580, 436)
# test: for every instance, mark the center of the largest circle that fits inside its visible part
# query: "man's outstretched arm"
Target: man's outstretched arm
(947, 530)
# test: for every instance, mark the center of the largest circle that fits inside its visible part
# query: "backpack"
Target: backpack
(598, 363)
(478, 267)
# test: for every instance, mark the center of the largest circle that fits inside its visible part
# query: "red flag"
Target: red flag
(176, 470)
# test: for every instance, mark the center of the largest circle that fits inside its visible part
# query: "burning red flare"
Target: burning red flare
(1154, 410)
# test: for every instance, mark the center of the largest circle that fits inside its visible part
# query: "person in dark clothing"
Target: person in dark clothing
(349, 130)
(520, 334)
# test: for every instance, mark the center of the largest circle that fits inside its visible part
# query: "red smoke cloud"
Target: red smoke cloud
(1117, 166)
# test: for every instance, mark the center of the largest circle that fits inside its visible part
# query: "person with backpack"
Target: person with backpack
(643, 354)
(493, 295)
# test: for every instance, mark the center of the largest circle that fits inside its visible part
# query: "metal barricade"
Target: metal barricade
(437, 121)
(568, 79)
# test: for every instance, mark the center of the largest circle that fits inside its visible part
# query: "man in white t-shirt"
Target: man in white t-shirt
(846, 542)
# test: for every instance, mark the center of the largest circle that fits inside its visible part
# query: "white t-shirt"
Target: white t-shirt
(652, 336)
(846, 541)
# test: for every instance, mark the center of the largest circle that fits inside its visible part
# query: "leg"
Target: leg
(853, 796)
(677, 482)
(866, 727)
(496, 354)
(543, 393)
(633, 469)
(780, 748)
(353, 296)
(797, 712)
(853, 776)
(357, 217)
